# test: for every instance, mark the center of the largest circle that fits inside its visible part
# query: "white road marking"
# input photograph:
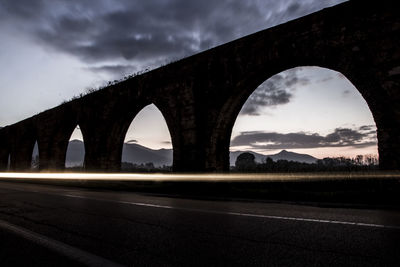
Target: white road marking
(242, 214)
(273, 217)
(57, 246)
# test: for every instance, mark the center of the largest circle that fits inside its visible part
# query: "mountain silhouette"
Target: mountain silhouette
(138, 154)
(292, 156)
(135, 153)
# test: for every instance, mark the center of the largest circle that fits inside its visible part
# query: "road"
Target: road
(45, 225)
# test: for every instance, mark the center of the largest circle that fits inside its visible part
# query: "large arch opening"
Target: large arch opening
(147, 145)
(35, 163)
(75, 156)
(308, 115)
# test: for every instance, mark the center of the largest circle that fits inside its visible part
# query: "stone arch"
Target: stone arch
(220, 140)
(104, 124)
(308, 81)
(74, 149)
(35, 163)
(133, 131)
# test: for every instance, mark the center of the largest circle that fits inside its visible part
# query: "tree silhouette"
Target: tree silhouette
(245, 162)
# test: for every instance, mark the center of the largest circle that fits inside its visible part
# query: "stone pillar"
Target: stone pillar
(103, 144)
(185, 120)
(21, 157)
(220, 123)
(22, 138)
(52, 153)
(54, 132)
(189, 152)
(4, 154)
(381, 89)
(100, 158)
(389, 147)
(4, 150)
(388, 121)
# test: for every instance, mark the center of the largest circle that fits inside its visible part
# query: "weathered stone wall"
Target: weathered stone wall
(201, 96)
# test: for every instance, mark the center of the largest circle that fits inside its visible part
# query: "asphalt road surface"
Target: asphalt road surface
(43, 225)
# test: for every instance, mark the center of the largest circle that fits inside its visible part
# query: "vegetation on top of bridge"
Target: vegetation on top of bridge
(123, 79)
(108, 84)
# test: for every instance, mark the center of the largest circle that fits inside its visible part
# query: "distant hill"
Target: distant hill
(138, 154)
(283, 155)
(292, 156)
(135, 153)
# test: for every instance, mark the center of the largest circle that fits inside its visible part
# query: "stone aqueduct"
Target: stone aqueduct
(201, 96)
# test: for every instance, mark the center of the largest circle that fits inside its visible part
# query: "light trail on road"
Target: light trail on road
(209, 177)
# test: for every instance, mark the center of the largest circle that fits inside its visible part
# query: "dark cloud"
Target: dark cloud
(99, 31)
(132, 141)
(367, 128)
(325, 79)
(22, 9)
(275, 91)
(341, 137)
(346, 93)
(293, 8)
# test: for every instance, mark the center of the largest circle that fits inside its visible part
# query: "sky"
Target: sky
(52, 50)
